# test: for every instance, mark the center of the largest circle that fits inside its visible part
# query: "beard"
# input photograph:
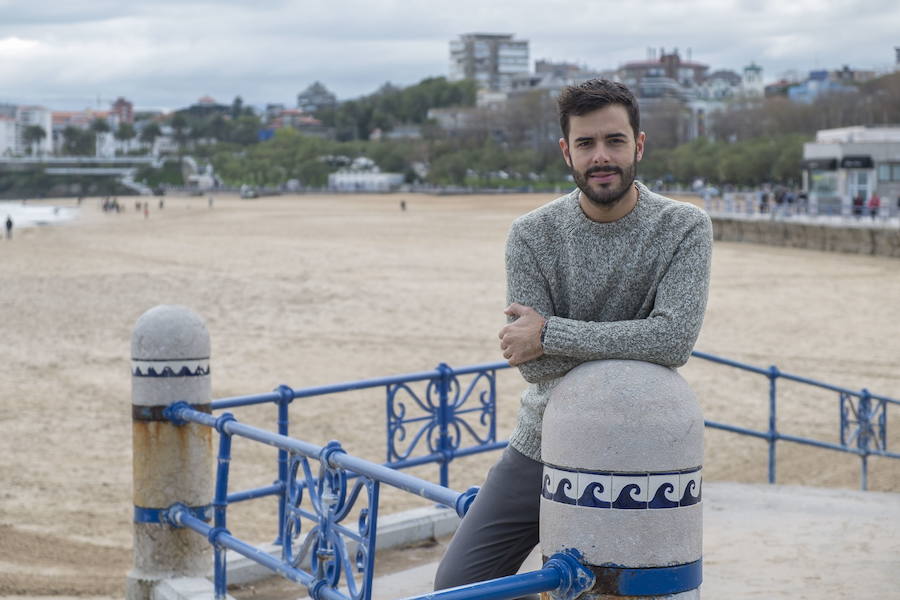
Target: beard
(611, 194)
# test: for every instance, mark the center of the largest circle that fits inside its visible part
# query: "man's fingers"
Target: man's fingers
(514, 309)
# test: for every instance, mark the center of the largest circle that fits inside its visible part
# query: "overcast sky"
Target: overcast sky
(167, 53)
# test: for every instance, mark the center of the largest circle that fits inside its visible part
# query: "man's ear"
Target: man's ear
(639, 145)
(564, 146)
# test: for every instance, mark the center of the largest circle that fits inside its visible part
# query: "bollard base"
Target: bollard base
(678, 582)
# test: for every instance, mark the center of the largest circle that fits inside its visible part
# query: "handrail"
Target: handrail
(444, 405)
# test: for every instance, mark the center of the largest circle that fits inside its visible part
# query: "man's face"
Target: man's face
(602, 153)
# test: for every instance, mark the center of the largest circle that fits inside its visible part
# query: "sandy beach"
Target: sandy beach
(310, 290)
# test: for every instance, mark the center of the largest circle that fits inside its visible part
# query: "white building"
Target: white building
(849, 161)
(752, 80)
(364, 176)
(27, 116)
(7, 135)
(490, 59)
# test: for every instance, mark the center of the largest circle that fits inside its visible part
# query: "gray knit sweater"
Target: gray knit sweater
(633, 289)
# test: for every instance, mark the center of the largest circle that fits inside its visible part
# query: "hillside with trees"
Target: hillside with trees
(752, 141)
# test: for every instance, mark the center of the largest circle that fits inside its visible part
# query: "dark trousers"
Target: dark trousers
(501, 527)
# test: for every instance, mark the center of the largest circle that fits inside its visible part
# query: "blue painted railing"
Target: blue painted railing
(453, 416)
(339, 555)
(863, 418)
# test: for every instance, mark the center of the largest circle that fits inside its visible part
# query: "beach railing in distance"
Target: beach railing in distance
(444, 406)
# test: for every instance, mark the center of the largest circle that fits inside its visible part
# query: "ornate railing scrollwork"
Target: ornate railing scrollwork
(335, 553)
(443, 425)
(863, 422)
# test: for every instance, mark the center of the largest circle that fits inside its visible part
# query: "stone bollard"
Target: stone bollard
(622, 450)
(172, 464)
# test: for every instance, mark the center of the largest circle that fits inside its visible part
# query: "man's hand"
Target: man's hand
(521, 339)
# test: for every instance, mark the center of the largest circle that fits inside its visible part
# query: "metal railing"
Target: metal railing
(863, 418)
(442, 423)
(340, 555)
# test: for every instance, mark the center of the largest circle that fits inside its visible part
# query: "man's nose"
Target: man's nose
(600, 156)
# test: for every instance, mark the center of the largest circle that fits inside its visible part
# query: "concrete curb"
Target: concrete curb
(396, 530)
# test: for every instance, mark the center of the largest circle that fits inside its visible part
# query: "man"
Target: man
(9, 227)
(609, 271)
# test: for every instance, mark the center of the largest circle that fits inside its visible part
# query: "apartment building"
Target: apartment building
(492, 60)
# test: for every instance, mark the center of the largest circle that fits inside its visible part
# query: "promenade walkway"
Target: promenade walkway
(760, 542)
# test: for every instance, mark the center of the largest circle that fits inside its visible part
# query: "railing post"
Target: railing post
(773, 426)
(220, 505)
(865, 432)
(287, 396)
(444, 446)
(171, 463)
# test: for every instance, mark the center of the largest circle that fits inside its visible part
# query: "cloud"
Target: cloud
(172, 51)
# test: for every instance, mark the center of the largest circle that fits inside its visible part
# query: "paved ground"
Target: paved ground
(760, 542)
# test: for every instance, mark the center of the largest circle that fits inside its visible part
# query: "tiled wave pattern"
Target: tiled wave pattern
(627, 491)
(170, 368)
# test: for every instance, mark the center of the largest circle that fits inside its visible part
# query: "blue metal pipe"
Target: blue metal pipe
(773, 430)
(261, 492)
(397, 479)
(729, 362)
(492, 366)
(411, 484)
(222, 537)
(220, 504)
(514, 586)
(735, 429)
(234, 401)
(818, 444)
(286, 394)
(443, 417)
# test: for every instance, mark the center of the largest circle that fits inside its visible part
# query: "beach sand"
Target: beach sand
(310, 290)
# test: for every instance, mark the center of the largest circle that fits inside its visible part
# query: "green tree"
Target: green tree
(33, 135)
(99, 126)
(245, 130)
(125, 133)
(179, 126)
(149, 133)
(237, 107)
(77, 141)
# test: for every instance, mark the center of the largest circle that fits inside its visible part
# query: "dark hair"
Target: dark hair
(586, 97)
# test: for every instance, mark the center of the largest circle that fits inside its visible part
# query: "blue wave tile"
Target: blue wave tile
(548, 482)
(595, 490)
(566, 483)
(663, 490)
(629, 491)
(690, 488)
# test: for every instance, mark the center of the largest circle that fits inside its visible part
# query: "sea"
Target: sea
(34, 215)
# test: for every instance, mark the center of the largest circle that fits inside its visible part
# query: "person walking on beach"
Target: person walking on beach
(608, 271)
(9, 226)
(858, 203)
(874, 204)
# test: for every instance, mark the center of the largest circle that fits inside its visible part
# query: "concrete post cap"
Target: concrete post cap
(170, 332)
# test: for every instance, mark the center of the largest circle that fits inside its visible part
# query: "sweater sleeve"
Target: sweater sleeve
(668, 334)
(526, 285)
